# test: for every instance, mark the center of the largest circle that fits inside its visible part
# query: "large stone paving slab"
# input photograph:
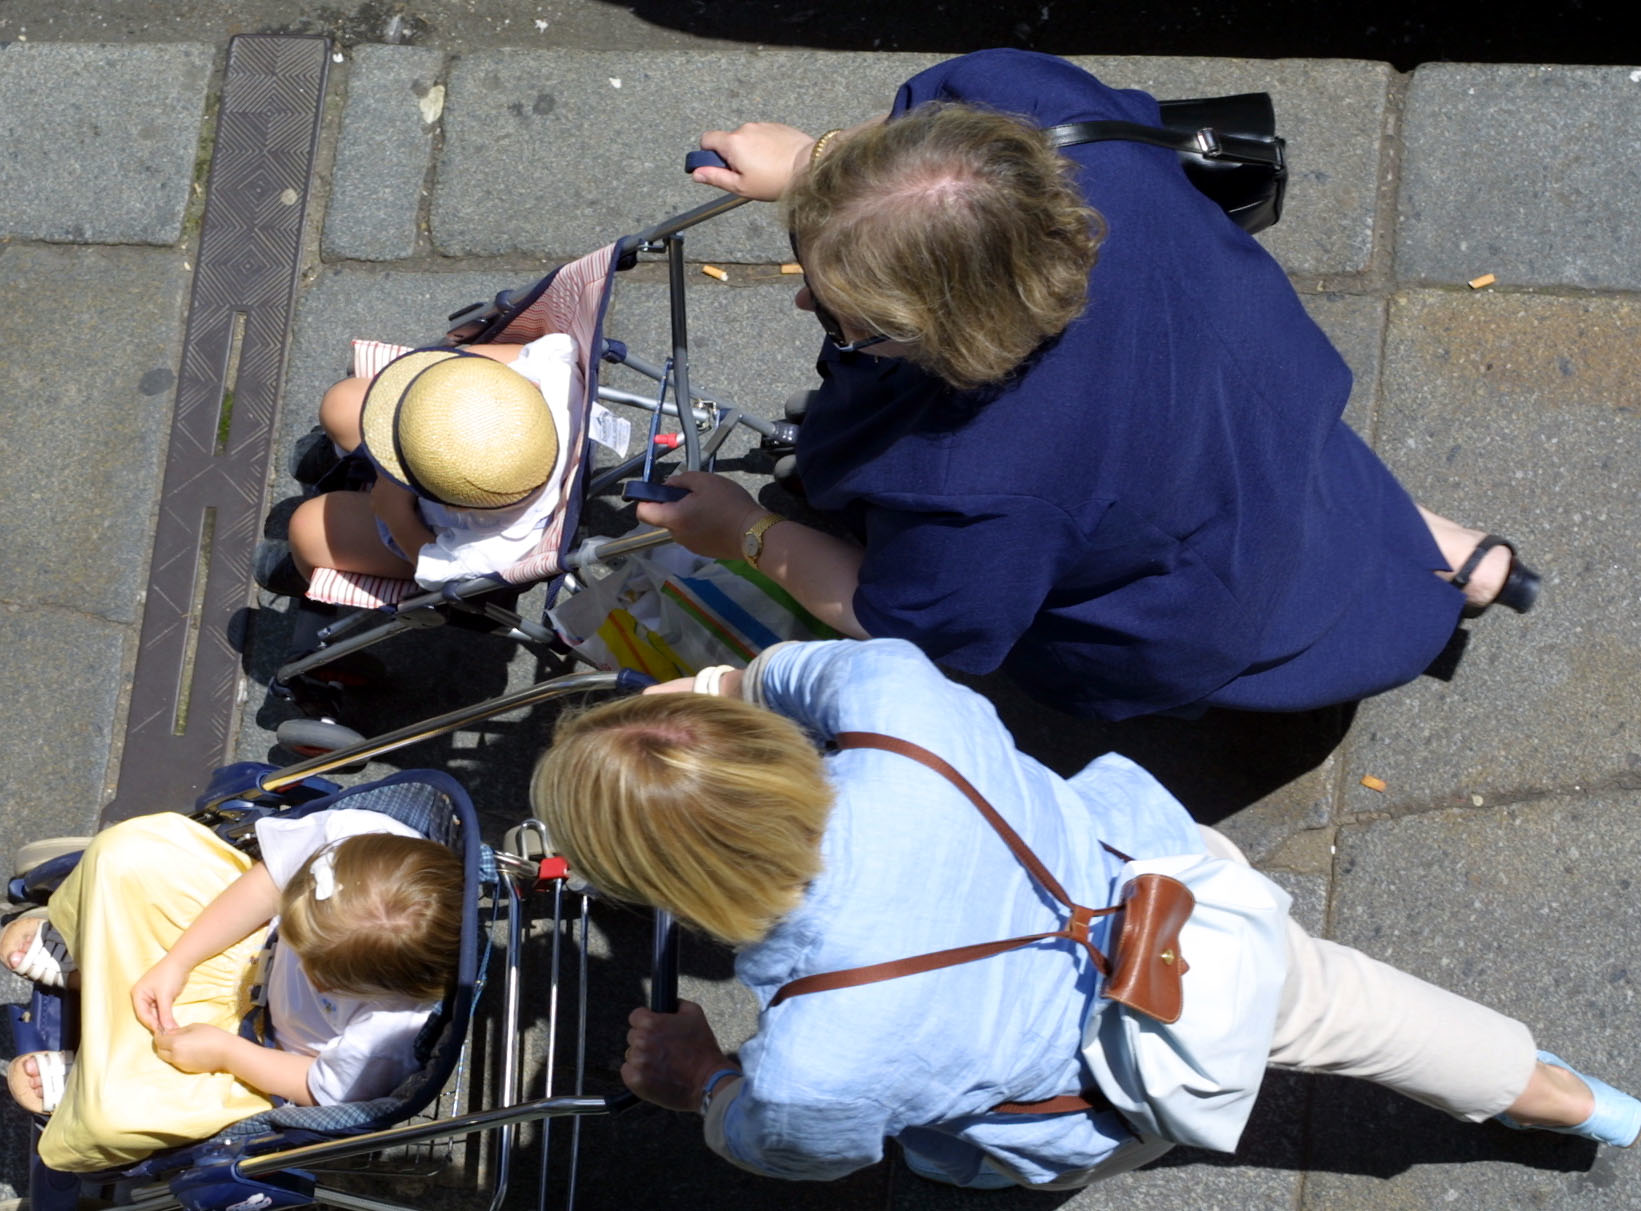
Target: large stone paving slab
(1528, 909)
(100, 140)
(380, 184)
(1522, 171)
(560, 152)
(543, 150)
(89, 342)
(1518, 412)
(63, 671)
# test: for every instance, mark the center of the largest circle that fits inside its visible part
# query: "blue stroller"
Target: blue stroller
(269, 1161)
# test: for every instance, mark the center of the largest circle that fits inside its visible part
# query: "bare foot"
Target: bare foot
(1457, 543)
(15, 942)
(17, 938)
(26, 1084)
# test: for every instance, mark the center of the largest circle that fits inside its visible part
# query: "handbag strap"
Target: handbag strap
(1076, 927)
(1206, 142)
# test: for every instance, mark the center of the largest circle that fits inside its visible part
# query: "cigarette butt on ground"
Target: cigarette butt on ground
(791, 267)
(1372, 783)
(712, 271)
(1485, 279)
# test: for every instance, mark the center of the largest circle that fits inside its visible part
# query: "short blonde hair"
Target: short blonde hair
(708, 807)
(391, 928)
(957, 231)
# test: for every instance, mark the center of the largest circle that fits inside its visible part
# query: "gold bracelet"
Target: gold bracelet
(819, 149)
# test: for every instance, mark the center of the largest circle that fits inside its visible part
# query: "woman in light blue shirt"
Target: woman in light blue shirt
(717, 806)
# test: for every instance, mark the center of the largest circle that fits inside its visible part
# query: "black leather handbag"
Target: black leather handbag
(1228, 147)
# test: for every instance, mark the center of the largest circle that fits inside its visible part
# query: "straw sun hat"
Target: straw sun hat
(459, 429)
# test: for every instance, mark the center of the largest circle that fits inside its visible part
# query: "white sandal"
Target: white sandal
(51, 1067)
(46, 960)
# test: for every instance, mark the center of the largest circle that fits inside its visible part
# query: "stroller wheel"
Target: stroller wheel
(316, 737)
(37, 853)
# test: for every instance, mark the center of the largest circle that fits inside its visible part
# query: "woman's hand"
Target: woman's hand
(710, 520)
(670, 1056)
(153, 995)
(763, 157)
(195, 1048)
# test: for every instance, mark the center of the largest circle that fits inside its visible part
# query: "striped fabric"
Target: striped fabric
(369, 357)
(357, 590)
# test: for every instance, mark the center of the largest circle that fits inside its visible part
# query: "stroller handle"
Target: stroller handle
(704, 159)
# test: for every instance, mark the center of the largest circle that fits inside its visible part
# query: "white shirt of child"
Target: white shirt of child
(362, 1048)
(472, 542)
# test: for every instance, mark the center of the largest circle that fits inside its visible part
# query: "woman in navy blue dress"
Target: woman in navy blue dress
(1077, 420)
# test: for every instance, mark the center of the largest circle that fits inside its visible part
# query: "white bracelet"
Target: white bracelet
(708, 680)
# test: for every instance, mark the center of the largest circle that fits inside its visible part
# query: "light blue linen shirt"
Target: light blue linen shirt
(910, 866)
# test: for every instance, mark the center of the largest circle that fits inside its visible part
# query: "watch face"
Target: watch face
(751, 544)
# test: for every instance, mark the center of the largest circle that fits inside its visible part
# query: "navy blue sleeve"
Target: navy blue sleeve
(1045, 88)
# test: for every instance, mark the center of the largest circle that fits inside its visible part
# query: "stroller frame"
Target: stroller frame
(237, 796)
(706, 412)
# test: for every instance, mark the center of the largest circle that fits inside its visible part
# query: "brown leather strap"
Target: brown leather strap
(923, 756)
(1076, 929)
(1066, 1103)
(850, 977)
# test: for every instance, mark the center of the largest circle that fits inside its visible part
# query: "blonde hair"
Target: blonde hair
(392, 927)
(708, 807)
(957, 231)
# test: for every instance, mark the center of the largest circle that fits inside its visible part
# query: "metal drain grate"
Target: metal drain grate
(184, 703)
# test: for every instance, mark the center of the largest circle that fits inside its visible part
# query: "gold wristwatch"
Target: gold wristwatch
(752, 542)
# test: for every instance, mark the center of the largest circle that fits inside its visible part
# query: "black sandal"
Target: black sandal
(1521, 585)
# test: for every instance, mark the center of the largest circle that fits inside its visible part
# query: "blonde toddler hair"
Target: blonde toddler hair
(392, 927)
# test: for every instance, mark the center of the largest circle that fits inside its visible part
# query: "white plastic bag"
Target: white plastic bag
(670, 614)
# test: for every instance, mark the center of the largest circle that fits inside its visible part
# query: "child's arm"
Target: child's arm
(250, 901)
(396, 507)
(201, 1048)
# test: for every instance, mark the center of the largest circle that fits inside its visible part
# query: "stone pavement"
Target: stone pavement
(1497, 858)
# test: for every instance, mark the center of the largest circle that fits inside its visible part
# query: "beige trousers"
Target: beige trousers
(1347, 1014)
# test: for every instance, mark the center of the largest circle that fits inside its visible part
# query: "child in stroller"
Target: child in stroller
(159, 926)
(467, 448)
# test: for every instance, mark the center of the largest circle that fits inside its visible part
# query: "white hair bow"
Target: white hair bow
(324, 874)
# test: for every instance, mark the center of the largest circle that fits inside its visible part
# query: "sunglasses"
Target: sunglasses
(829, 322)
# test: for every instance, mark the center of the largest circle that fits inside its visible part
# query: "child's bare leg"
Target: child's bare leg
(338, 530)
(339, 412)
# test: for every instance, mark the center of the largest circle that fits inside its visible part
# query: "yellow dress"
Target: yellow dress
(139, 885)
